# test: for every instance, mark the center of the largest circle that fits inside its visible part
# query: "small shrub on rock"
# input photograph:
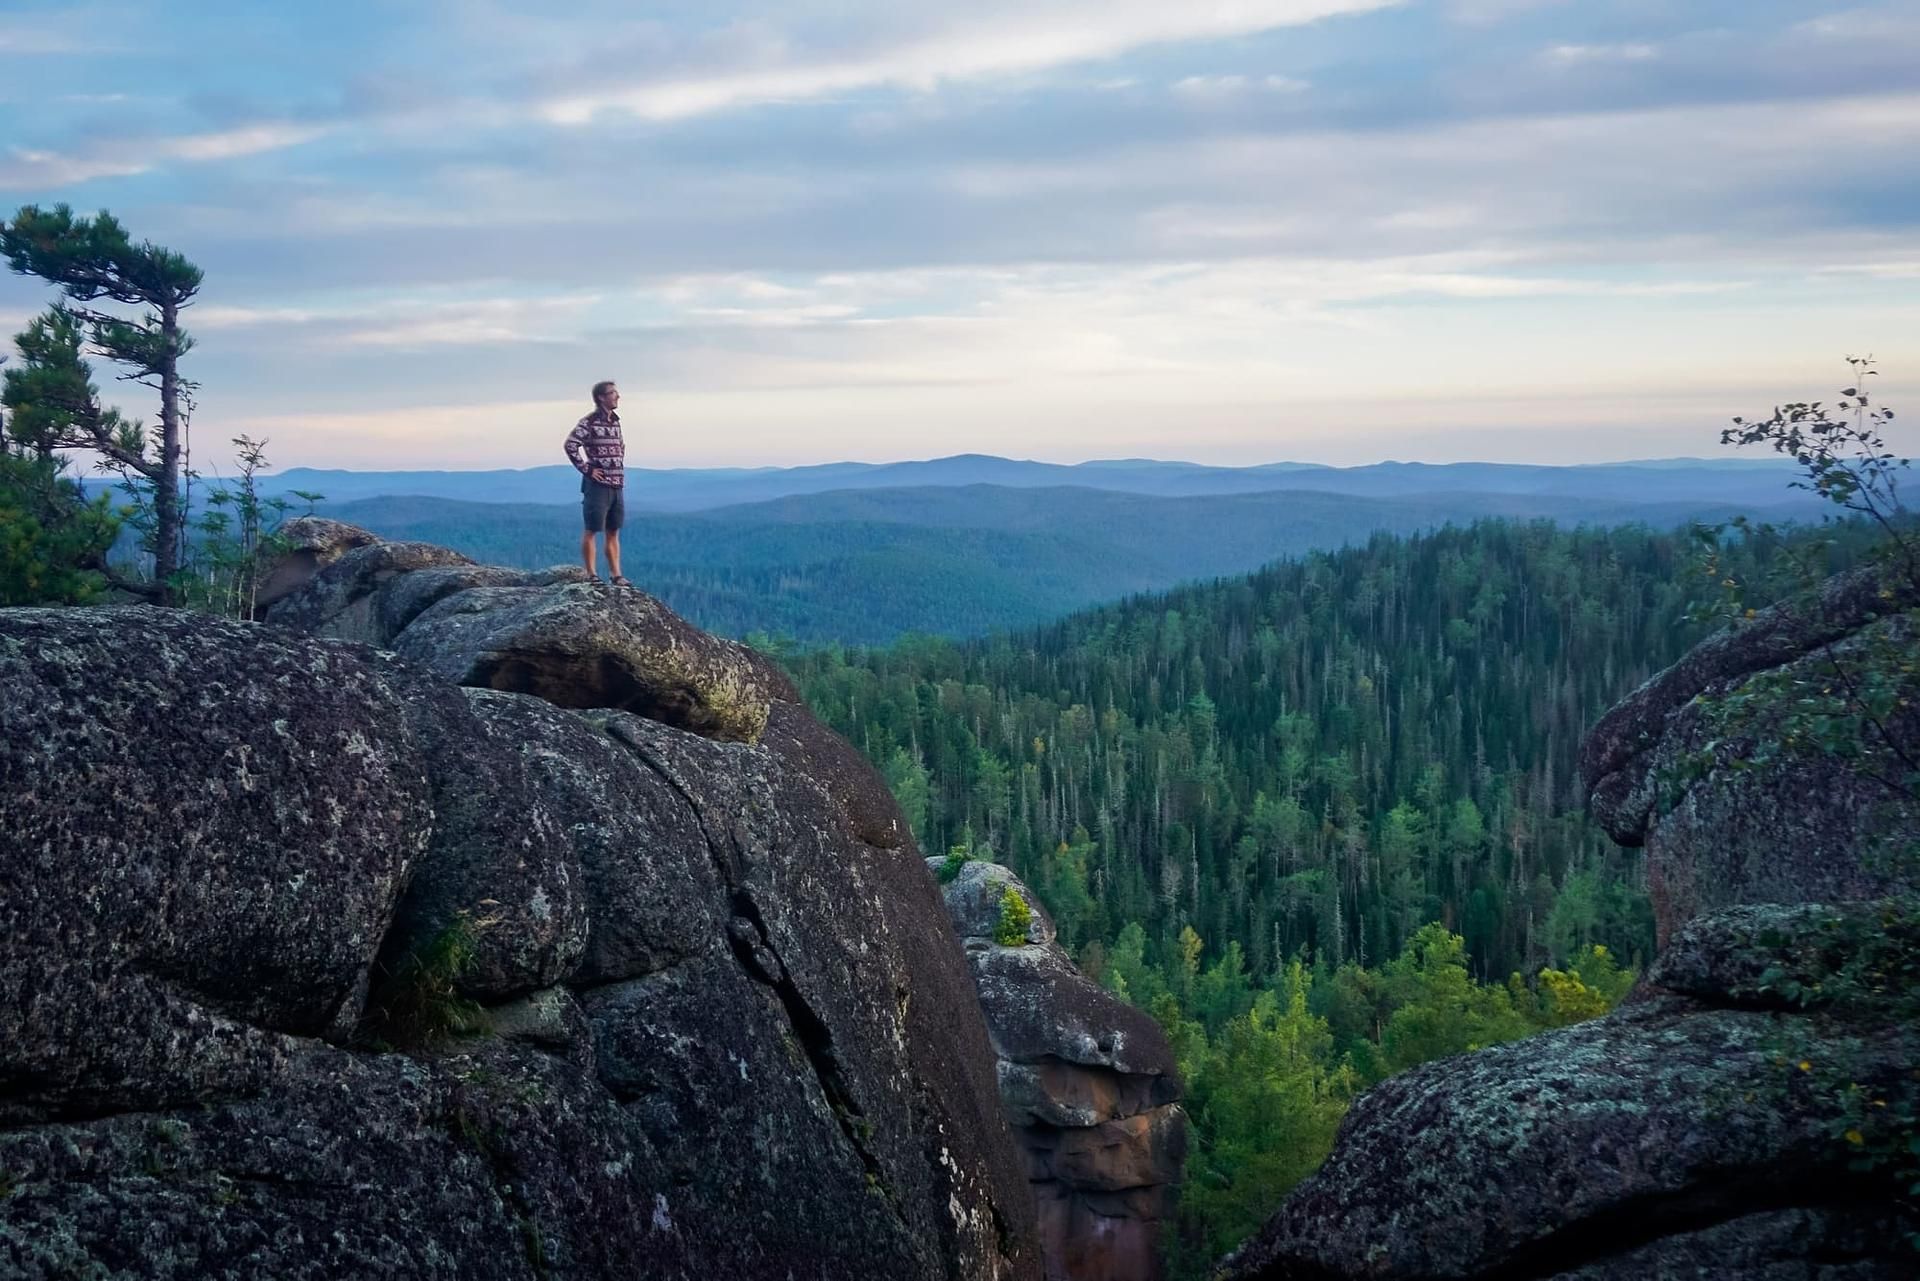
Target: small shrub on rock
(1015, 917)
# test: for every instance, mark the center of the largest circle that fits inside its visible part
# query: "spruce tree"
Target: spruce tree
(56, 407)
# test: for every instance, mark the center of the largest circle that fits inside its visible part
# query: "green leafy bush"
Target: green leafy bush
(956, 858)
(1015, 917)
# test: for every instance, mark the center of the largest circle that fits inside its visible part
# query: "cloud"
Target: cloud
(23, 39)
(411, 323)
(1489, 12)
(997, 40)
(126, 157)
(30, 169)
(1232, 86)
(247, 140)
(1575, 54)
(206, 316)
(1876, 270)
(995, 204)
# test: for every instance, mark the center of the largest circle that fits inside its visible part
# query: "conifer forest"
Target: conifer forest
(1323, 821)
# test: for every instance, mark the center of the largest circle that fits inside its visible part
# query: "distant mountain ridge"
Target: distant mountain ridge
(1752, 481)
(866, 565)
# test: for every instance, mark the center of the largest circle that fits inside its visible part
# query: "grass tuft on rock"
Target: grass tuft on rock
(419, 1005)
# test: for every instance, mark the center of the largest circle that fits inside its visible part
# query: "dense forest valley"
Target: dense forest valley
(1323, 821)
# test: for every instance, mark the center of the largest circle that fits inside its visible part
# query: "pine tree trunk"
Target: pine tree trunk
(166, 487)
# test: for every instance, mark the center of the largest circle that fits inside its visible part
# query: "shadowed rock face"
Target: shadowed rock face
(730, 1037)
(1088, 1082)
(1674, 1137)
(1803, 828)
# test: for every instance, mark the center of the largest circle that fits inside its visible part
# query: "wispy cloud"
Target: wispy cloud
(1217, 87)
(411, 323)
(1575, 54)
(20, 38)
(996, 40)
(247, 140)
(126, 157)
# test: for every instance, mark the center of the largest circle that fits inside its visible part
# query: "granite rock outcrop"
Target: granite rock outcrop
(717, 1022)
(1679, 1136)
(1088, 1082)
(1805, 826)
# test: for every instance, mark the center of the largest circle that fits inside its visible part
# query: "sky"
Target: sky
(1231, 231)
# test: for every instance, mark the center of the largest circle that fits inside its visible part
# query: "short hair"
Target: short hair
(601, 388)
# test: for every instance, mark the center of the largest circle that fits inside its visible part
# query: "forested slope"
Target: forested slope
(1323, 821)
(1323, 756)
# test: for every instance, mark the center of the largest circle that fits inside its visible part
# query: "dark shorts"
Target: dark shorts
(604, 507)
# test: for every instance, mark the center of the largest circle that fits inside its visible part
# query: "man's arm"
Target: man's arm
(576, 448)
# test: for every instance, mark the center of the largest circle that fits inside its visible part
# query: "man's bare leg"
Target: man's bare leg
(586, 552)
(613, 553)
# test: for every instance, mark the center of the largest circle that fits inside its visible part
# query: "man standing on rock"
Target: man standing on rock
(598, 453)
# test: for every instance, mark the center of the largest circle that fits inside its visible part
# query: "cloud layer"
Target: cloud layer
(1242, 230)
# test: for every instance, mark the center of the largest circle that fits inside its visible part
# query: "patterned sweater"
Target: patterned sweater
(595, 443)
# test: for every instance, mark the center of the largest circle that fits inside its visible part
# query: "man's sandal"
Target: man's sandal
(619, 580)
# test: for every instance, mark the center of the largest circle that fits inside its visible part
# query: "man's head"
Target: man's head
(606, 395)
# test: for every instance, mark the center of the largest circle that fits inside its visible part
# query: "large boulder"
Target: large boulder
(1723, 822)
(246, 878)
(1697, 1131)
(308, 545)
(562, 636)
(342, 599)
(585, 645)
(1088, 1082)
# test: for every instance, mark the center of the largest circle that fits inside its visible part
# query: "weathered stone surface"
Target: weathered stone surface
(474, 1165)
(582, 645)
(728, 1039)
(313, 543)
(1140, 1151)
(498, 850)
(1677, 1132)
(1802, 827)
(570, 640)
(342, 599)
(861, 795)
(1088, 1082)
(341, 581)
(788, 877)
(1040, 1008)
(403, 598)
(653, 894)
(152, 765)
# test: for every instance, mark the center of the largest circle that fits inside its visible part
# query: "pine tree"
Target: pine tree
(55, 406)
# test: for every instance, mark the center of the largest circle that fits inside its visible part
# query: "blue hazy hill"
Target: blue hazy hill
(864, 566)
(696, 489)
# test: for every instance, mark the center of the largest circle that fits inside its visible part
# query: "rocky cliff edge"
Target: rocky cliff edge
(551, 938)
